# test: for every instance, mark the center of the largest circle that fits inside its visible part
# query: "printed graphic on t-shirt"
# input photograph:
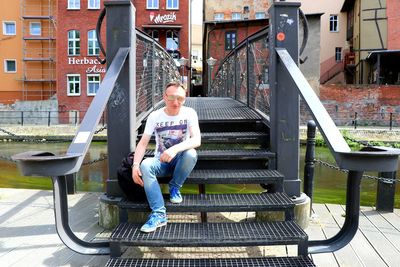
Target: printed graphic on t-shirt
(170, 135)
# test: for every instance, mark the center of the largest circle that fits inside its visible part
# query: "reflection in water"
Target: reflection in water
(329, 184)
(90, 178)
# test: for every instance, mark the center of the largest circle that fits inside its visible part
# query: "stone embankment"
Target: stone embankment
(67, 132)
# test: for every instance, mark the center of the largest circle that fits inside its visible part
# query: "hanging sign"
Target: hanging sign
(161, 19)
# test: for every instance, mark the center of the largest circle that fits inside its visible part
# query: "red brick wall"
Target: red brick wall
(182, 21)
(372, 103)
(83, 20)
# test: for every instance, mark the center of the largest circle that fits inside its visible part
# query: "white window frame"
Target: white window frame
(173, 33)
(92, 82)
(334, 21)
(93, 4)
(5, 66)
(5, 23)
(218, 16)
(74, 4)
(175, 4)
(152, 4)
(74, 41)
(94, 42)
(260, 15)
(30, 28)
(236, 16)
(74, 82)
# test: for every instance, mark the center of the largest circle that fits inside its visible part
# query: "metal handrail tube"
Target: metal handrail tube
(367, 159)
(38, 163)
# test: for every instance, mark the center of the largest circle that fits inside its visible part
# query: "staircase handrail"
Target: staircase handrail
(382, 159)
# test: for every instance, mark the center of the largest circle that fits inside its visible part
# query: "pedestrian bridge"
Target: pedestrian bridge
(243, 107)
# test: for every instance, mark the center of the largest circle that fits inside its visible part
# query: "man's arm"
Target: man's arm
(192, 142)
(139, 154)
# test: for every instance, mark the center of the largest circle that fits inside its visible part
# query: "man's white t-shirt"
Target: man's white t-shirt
(170, 130)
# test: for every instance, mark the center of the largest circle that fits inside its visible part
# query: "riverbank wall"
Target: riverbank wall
(67, 133)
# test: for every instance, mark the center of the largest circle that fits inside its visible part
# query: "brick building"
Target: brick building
(226, 24)
(79, 72)
(27, 50)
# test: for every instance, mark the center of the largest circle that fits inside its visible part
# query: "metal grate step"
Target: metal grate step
(300, 261)
(221, 202)
(228, 154)
(211, 234)
(231, 176)
(229, 137)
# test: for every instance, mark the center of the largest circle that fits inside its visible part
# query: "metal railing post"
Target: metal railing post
(386, 192)
(391, 121)
(309, 162)
(355, 120)
(49, 118)
(121, 108)
(22, 118)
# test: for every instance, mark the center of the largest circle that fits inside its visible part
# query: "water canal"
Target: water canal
(329, 184)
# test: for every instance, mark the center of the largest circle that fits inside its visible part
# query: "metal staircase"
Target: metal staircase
(220, 166)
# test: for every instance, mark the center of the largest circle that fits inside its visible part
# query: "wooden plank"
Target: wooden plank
(379, 233)
(319, 226)
(345, 256)
(378, 242)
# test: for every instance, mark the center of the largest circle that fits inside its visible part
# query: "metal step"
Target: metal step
(210, 235)
(251, 137)
(300, 261)
(231, 176)
(221, 202)
(228, 154)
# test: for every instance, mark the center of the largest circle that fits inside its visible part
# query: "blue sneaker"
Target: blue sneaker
(174, 195)
(155, 220)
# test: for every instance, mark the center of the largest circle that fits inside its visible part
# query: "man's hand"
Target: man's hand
(168, 155)
(137, 176)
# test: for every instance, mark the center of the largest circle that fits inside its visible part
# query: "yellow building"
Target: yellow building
(27, 50)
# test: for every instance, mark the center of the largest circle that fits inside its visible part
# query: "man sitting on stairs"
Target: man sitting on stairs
(177, 133)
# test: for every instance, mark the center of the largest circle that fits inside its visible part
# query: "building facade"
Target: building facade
(79, 71)
(372, 32)
(227, 23)
(28, 50)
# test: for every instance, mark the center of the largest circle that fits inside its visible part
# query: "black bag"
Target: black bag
(133, 192)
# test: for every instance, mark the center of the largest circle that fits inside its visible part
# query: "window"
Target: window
(35, 28)
(260, 15)
(236, 16)
(9, 28)
(93, 84)
(154, 34)
(333, 23)
(10, 65)
(230, 40)
(93, 4)
(172, 4)
(195, 55)
(74, 84)
(172, 40)
(152, 4)
(338, 54)
(74, 43)
(93, 45)
(219, 16)
(74, 4)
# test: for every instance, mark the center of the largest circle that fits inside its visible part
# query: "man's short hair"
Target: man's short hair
(176, 84)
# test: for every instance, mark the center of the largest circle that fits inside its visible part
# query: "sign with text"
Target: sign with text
(87, 61)
(162, 19)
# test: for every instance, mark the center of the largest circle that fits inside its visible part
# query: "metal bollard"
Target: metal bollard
(309, 161)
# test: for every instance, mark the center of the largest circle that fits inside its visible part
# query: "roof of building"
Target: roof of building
(373, 54)
(347, 5)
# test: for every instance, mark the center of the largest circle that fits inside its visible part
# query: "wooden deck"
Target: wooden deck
(28, 236)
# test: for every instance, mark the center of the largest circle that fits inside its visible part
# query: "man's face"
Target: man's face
(174, 98)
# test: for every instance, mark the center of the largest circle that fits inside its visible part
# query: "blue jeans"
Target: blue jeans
(179, 168)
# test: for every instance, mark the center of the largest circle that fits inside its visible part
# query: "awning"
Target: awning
(162, 26)
(374, 54)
